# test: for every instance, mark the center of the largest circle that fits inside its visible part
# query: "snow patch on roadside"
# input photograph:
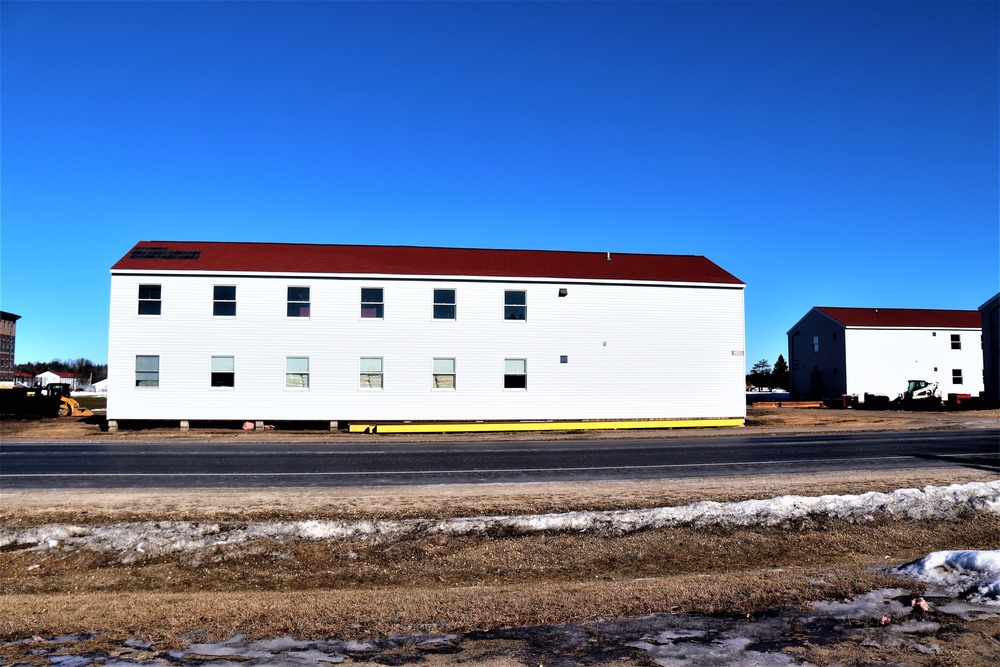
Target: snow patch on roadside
(143, 540)
(970, 575)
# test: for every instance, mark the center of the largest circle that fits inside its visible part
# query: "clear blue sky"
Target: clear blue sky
(840, 154)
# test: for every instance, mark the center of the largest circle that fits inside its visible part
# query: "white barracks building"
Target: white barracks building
(373, 335)
(857, 351)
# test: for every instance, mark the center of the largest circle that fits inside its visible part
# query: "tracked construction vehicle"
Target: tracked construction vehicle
(919, 395)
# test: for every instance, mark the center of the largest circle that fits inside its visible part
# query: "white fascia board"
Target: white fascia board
(870, 328)
(428, 277)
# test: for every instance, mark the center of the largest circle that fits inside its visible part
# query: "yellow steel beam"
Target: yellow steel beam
(479, 427)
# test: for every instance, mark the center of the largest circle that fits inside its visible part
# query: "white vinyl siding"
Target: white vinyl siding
(882, 361)
(685, 335)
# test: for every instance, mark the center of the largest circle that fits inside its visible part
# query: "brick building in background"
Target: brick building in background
(8, 332)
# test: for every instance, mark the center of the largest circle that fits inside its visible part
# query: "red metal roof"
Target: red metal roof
(419, 261)
(904, 317)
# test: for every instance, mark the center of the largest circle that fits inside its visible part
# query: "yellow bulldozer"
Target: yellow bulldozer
(51, 400)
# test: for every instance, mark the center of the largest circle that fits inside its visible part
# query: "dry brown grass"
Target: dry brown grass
(381, 611)
(454, 585)
(758, 420)
(94, 506)
(353, 590)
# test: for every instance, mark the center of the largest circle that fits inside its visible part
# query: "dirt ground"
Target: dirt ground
(486, 584)
(759, 421)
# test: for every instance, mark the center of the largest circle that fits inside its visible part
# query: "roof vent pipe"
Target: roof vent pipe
(609, 256)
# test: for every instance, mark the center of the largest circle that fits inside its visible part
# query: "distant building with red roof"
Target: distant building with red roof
(833, 351)
(48, 377)
(351, 333)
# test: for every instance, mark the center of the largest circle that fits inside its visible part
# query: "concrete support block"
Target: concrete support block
(112, 426)
(333, 426)
(185, 425)
(258, 425)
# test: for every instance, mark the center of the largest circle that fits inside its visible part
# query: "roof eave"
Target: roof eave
(435, 277)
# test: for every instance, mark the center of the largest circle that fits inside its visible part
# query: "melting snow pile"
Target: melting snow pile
(141, 540)
(972, 575)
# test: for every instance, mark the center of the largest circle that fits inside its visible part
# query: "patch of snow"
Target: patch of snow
(162, 538)
(316, 657)
(970, 575)
(967, 611)
(873, 605)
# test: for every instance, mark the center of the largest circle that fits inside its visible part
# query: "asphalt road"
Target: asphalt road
(291, 464)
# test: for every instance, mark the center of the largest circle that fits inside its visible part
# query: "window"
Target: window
(223, 372)
(224, 301)
(515, 305)
(297, 372)
(371, 372)
(563, 359)
(956, 341)
(956, 376)
(372, 304)
(147, 371)
(149, 299)
(444, 374)
(298, 302)
(444, 304)
(515, 374)
(815, 343)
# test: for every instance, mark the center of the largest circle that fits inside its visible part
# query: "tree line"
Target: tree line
(762, 375)
(88, 371)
